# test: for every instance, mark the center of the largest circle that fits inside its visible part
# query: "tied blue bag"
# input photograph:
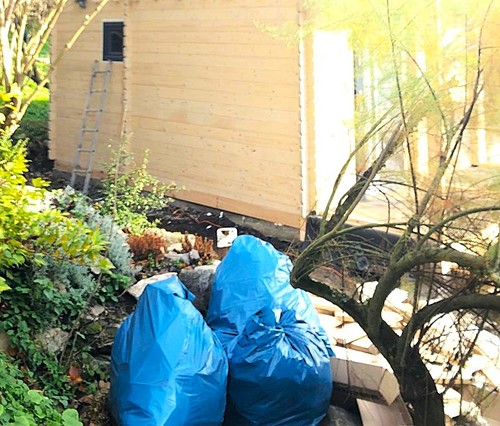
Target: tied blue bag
(167, 366)
(279, 355)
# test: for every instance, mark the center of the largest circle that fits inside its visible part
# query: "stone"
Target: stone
(97, 310)
(338, 416)
(175, 248)
(4, 342)
(53, 339)
(137, 289)
(199, 282)
(194, 256)
(179, 257)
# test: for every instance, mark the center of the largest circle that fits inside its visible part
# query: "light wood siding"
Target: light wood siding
(70, 86)
(216, 101)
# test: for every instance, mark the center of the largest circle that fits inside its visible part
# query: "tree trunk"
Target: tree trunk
(417, 386)
(419, 391)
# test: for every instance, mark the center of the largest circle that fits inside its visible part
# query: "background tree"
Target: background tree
(25, 28)
(427, 63)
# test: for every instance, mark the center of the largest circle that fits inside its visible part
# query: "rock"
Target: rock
(137, 289)
(93, 328)
(194, 256)
(338, 416)
(175, 248)
(53, 339)
(179, 257)
(4, 342)
(96, 310)
(199, 282)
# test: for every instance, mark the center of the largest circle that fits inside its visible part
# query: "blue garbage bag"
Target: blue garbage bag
(279, 355)
(167, 365)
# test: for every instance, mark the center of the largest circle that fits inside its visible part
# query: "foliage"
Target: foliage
(80, 207)
(54, 258)
(150, 244)
(426, 82)
(25, 29)
(34, 125)
(30, 232)
(20, 405)
(130, 192)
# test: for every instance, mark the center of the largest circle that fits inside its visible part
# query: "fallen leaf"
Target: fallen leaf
(74, 375)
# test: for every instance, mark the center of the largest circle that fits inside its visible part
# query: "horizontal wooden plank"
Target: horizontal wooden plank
(232, 190)
(265, 174)
(178, 34)
(220, 85)
(136, 26)
(164, 14)
(279, 155)
(215, 71)
(160, 122)
(267, 63)
(139, 105)
(286, 148)
(167, 94)
(109, 116)
(252, 138)
(163, 47)
(216, 4)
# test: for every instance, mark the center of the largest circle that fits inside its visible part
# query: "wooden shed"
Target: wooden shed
(236, 117)
(218, 102)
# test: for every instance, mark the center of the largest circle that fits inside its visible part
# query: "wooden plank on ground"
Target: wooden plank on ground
(348, 333)
(364, 345)
(323, 306)
(374, 414)
(366, 376)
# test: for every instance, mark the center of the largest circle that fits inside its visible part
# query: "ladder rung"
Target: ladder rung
(90, 130)
(81, 171)
(98, 91)
(93, 110)
(86, 150)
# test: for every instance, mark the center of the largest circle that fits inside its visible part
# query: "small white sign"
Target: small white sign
(226, 236)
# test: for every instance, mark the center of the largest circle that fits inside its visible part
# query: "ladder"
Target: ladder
(83, 162)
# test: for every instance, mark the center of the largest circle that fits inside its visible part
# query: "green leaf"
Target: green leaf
(35, 396)
(21, 421)
(3, 285)
(71, 418)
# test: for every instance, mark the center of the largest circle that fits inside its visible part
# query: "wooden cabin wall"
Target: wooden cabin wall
(216, 101)
(70, 86)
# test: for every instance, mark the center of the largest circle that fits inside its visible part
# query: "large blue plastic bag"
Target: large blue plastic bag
(167, 366)
(279, 355)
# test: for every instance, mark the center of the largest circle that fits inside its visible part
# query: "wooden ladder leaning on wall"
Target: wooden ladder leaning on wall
(83, 162)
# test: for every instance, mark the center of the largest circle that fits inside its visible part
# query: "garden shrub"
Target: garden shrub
(20, 405)
(118, 250)
(31, 231)
(49, 264)
(130, 192)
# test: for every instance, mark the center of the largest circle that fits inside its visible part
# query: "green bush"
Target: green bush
(20, 405)
(31, 231)
(130, 192)
(49, 261)
(118, 251)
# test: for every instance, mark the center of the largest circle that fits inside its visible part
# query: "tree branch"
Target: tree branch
(393, 273)
(466, 301)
